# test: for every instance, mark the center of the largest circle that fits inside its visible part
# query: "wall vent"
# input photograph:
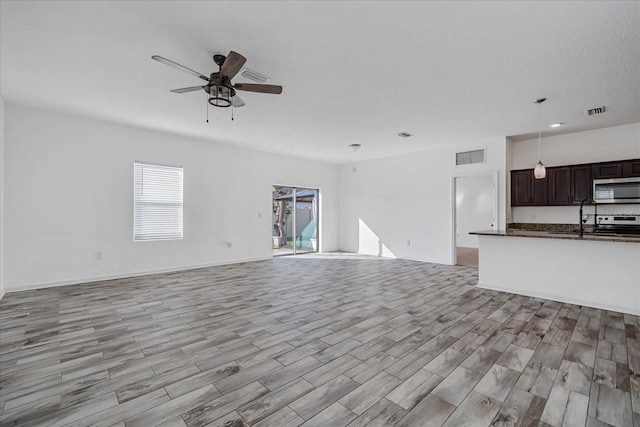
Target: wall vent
(470, 157)
(594, 111)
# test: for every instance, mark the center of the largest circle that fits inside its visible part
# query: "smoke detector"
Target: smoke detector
(355, 147)
(596, 111)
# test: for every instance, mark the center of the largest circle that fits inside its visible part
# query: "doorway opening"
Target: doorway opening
(475, 209)
(295, 220)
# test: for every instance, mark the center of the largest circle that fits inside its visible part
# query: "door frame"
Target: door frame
(496, 212)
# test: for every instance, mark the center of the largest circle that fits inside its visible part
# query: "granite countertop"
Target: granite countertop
(559, 235)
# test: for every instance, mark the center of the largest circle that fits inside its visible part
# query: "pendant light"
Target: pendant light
(539, 172)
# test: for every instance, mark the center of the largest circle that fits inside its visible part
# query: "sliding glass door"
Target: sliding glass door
(306, 208)
(295, 220)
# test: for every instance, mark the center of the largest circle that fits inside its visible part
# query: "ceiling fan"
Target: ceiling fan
(222, 93)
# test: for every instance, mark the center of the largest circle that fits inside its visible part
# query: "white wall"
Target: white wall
(68, 194)
(385, 203)
(1, 198)
(600, 145)
(475, 205)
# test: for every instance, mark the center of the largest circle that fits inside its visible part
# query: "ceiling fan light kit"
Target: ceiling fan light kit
(220, 96)
(220, 91)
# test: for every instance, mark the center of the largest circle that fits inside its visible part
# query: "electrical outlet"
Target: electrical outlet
(98, 255)
(408, 242)
(259, 215)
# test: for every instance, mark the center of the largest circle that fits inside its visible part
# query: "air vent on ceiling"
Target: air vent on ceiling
(470, 157)
(254, 75)
(595, 111)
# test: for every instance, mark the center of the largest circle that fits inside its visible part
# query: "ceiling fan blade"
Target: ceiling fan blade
(251, 87)
(232, 64)
(237, 102)
(187, 89)
(179, 67)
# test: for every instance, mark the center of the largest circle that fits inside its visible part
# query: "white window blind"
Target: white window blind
(157, 202)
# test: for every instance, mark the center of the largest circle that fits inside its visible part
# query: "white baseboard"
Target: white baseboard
(75, 281)
(575, 301)
(429, 260)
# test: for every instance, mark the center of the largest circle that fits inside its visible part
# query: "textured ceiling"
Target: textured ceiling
(353, 72)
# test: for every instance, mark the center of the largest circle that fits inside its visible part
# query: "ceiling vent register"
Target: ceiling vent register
(595, 111)
(254, 75)
(470, 157)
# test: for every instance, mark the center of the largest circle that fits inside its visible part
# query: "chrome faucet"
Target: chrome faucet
(595, 215)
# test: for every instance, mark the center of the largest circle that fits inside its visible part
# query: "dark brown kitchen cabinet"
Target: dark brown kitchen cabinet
(606, 170)
(581, 184)
(526, 190)
(520, 188)
(631, 168)
(566, 185)
(538, 191)
(559, 186)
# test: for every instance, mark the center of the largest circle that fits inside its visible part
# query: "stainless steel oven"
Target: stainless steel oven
(618, 224)
(616, 190)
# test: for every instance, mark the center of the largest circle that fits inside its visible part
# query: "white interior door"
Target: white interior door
(475, 208)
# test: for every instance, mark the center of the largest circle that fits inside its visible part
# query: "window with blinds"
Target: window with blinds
(157, 202)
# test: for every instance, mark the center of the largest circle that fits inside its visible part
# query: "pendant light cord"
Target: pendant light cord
(539, 101)
(539, 144)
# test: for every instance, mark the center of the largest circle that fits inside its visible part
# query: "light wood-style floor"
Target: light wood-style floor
(317, 341)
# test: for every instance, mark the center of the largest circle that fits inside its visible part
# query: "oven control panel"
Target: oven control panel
(618, 220)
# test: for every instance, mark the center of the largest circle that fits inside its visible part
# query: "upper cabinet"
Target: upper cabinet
(569, 185)
(566, 185)
(606, 170)
(559, 186)
(581, 183)
(526, 190)
(631, 168)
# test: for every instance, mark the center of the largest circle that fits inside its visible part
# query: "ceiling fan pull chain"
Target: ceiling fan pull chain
(232, 113)
(207, 111)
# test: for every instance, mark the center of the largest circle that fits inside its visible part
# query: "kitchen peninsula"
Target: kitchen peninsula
(596, 271)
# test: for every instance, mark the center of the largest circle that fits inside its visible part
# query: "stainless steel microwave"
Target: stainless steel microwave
(616, 190)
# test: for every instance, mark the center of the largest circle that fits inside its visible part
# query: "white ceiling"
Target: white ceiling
(353, 72)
